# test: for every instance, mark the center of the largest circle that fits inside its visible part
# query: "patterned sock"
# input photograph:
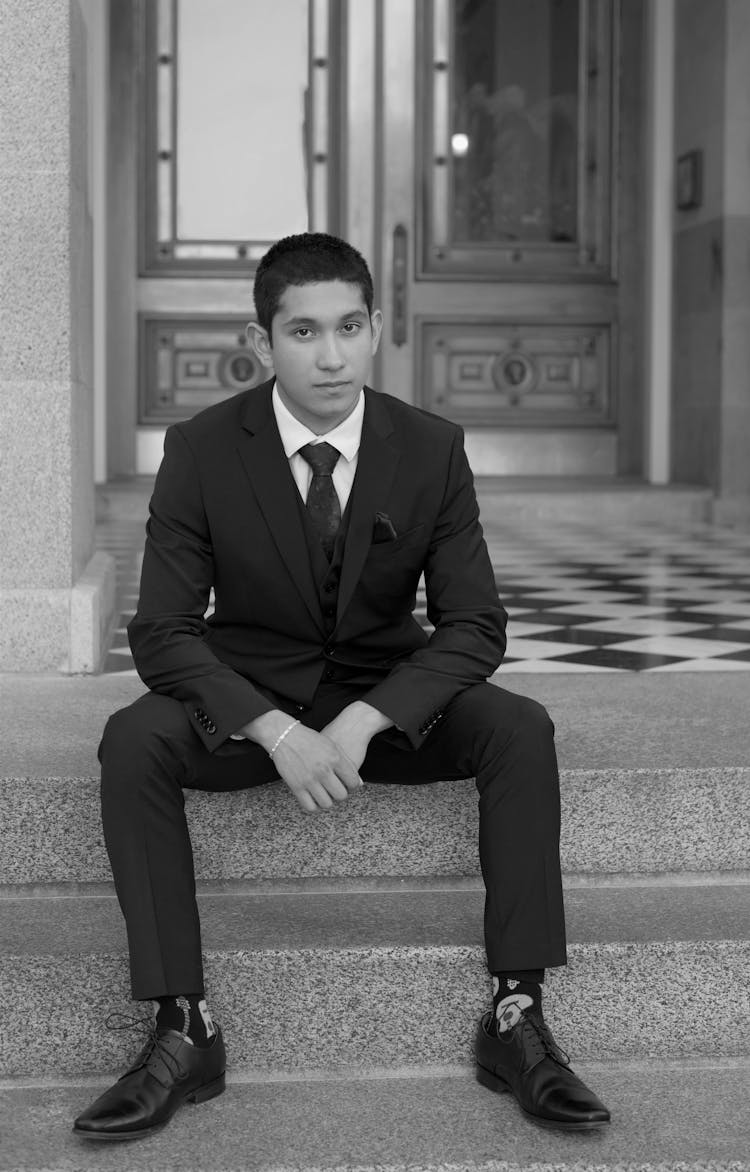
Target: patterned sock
(514, 994)
(187, 1014)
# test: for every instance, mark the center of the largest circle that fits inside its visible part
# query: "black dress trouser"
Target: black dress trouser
(150, 753)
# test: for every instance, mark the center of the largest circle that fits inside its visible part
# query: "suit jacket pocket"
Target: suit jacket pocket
(381, 549)
(391, 572)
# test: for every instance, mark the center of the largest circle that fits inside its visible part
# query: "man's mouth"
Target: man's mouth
(338, 383)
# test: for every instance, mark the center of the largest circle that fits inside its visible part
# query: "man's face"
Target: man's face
(321, 346)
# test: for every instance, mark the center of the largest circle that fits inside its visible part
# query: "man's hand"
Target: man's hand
(317, 771)
(354, 727)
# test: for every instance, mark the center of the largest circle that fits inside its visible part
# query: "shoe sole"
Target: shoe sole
(493, 1082)
(209, 1090)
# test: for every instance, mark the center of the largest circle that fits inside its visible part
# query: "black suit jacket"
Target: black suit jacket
(225, 513)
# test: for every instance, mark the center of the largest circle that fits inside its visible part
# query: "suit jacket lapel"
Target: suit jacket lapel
(267, 468)
(376, 468)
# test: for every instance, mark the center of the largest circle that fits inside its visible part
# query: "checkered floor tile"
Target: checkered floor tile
(580, 598)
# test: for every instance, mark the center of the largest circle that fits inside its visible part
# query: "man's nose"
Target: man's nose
(329, 355)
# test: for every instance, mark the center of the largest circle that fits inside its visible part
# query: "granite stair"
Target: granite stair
(344, 952)
(588, 499)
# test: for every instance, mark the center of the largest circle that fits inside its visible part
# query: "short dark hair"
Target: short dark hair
(307, 259)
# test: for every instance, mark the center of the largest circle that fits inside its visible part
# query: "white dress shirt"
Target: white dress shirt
(346, 437)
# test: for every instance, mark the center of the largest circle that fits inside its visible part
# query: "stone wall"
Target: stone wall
(54, 596)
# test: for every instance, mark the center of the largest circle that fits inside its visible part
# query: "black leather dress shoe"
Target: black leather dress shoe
(527, 1061)
(167, 1072)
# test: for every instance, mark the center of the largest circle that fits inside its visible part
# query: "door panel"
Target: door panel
(498, 218)
(237, 141)
(237, 145)
(514, 106)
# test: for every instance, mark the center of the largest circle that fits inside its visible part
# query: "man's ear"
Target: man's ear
(376, 322)
(260, 342)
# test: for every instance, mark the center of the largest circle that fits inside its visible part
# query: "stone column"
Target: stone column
(698, 295)
(56, 595)
(733, 501)
(710, 387)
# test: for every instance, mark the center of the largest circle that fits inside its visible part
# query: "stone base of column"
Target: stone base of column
(62, 631)
(732, 511)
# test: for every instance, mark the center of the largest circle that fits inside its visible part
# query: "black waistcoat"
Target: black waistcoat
(327, 574)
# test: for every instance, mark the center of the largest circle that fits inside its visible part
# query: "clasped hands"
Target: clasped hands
(320, 768)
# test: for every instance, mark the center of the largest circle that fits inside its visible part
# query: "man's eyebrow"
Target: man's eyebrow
(295, 322)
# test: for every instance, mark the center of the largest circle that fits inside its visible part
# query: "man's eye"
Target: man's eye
(303, 332)
(351, 327)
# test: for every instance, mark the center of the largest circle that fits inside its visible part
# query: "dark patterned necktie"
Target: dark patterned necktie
(322, 501)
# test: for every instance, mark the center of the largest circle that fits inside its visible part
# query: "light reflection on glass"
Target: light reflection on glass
(459, 145)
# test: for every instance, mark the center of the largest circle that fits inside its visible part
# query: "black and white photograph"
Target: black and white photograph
(375, 585)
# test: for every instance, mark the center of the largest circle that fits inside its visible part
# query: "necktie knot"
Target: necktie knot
(322, 458)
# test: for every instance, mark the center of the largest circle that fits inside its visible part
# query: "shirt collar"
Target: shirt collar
(294, 435)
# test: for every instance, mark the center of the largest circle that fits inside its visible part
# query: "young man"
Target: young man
(312, 505)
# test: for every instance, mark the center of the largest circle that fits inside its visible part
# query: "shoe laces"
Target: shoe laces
(537, 1041)
(538, 1037)
(153, 1052)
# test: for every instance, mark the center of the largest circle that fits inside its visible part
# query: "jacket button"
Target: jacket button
(329, 648)
(210, 728)
(329, 587)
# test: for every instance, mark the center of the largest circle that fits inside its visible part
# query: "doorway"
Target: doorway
(481, 153)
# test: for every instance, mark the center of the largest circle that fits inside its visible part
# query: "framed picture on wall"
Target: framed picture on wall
(689, 193)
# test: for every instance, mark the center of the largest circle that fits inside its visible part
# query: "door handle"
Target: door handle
(399, 285)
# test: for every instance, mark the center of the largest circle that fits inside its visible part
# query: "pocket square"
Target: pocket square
(383, 529)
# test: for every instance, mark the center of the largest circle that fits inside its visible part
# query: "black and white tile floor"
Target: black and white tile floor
(637, 597)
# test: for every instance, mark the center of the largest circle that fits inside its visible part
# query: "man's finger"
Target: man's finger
(332, 785)
(346, 772)
(320, 796)
(305, 800)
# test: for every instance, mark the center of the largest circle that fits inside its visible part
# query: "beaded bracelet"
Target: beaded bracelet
(285, 733)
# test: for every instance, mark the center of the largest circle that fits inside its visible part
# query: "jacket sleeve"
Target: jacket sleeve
(167, 633)
(468, 642)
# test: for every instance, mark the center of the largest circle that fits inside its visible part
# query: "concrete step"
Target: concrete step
(336, 979)
(125, 499)
(615, 821)
(628, 720)
(666, 1117)
(654, 779)
(594, 499)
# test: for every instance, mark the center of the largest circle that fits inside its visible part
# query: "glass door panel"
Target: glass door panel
(236, 149)
(517, 105)
(514, 122)
(246, 112)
